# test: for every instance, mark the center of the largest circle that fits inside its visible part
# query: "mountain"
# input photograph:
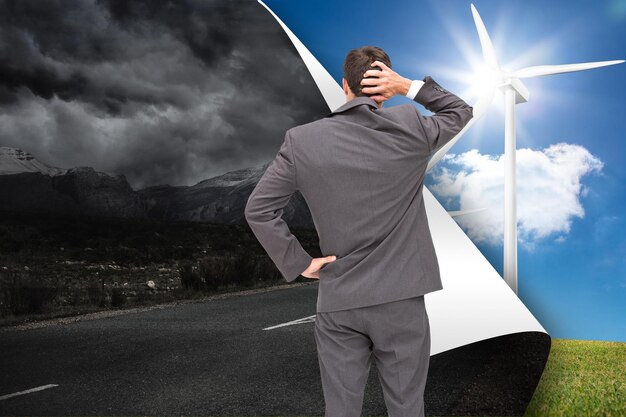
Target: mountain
(27, 184)
(219, 199)
(13, 160)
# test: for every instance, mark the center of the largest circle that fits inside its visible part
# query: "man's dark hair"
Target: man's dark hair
(358, 61)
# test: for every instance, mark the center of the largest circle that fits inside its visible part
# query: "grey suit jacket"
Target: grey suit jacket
(361, 172)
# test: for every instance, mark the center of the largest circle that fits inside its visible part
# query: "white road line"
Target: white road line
(290, 323)
(28, 391)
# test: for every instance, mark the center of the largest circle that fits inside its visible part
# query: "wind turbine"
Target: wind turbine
(514, 93)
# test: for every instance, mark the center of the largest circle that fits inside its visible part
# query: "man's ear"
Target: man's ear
(346, 88)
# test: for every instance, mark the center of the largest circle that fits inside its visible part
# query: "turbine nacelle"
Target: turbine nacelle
(505, 79)
(521, 92)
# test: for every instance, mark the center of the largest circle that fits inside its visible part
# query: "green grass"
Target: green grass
(582, 378)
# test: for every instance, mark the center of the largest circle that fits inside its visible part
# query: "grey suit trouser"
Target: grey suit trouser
(396, 335)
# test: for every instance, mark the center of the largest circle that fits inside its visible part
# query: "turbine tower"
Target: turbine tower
(514, 93)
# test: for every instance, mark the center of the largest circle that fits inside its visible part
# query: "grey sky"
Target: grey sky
(163, 92)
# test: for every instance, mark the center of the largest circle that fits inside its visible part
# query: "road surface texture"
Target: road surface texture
(212, 357)
(201, 358)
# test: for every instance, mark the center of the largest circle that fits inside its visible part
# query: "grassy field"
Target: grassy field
(582, 379)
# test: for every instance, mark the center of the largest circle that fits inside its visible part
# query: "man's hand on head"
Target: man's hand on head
(316, 264)
(388, 84)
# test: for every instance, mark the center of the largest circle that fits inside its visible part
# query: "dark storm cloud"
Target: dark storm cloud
(161, 91)
(49, 46)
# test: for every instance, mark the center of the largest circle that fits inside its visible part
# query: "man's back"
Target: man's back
(361, 171)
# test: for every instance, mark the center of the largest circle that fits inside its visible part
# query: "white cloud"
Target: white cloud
(548, 191)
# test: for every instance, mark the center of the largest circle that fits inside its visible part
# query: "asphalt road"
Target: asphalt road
(203, 358)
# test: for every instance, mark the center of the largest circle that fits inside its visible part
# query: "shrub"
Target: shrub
(189, 278)
(240, 269)
(117, 297)
(25, 300)
(94, 293)
(244, 269)
(214, 271)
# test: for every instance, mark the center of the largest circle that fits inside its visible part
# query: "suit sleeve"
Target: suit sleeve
(451, 114)
(264, 210)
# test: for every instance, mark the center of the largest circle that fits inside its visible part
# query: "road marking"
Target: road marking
(28, 391)
(309, 319)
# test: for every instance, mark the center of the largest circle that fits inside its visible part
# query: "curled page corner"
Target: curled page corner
(482, 335)
(475, 303)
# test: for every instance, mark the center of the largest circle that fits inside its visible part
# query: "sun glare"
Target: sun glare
(482, 80)
(475, 78)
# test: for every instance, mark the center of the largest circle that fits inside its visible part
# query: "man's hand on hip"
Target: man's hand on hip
(316, 264)
(388, 83)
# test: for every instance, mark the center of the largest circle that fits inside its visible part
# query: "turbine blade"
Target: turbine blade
(483, 103)
(540, 70)
(463, 212)
(489, 52)
(479, 109)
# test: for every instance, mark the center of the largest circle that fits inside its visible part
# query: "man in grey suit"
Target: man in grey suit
(361, 172)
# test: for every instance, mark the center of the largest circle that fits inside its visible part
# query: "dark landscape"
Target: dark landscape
(78, 240)
(53, 265)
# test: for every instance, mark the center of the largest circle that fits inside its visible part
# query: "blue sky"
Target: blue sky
(572, 259)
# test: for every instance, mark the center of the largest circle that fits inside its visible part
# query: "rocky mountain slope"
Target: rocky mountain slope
(29, 185)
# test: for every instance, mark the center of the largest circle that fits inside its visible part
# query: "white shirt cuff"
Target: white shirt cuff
(414, 89)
